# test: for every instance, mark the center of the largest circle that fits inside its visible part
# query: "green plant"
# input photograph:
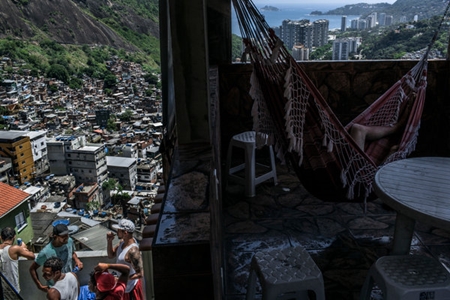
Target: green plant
(59, 72)
(125, 116)
(93, 205)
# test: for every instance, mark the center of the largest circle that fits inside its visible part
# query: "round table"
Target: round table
(419, 190)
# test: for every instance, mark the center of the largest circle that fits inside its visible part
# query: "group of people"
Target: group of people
(60, 265)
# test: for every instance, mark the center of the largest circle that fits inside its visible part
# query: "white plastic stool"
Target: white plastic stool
(408, 277)
(246, 141)
(285, 274)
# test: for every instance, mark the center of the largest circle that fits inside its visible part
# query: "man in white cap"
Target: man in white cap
(127, 252)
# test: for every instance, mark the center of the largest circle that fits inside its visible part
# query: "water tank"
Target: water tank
(60, 221)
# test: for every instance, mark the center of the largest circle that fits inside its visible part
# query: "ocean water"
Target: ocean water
(297, 11)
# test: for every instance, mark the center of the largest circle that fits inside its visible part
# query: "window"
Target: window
(21, 222)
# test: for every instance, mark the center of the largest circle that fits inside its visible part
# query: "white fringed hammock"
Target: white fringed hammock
(293, 116)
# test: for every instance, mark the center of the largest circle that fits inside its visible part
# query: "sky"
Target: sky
(337, 2)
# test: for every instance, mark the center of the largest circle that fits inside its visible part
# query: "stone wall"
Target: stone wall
(349, 87)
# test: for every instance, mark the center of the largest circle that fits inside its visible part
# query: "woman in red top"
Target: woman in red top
(105, 285)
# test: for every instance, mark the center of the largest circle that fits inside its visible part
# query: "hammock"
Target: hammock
(290, 113)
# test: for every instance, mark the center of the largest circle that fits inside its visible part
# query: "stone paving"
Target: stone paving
(342, 239)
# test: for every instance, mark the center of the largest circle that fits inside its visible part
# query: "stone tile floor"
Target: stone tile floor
(342, 239)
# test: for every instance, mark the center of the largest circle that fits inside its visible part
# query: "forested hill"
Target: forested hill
(424, 9)
(122, 24)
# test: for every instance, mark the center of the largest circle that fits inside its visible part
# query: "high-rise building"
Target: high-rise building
(343, 23)
(343, 47)
(372, 20)
(362, 24)
(300, 52)
(382, 19)
(389, 20)
(340, 50)
(320, 32)
(304, 32)
(277, 31)
(354, 24)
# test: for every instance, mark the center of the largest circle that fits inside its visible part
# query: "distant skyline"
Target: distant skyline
(338, 3)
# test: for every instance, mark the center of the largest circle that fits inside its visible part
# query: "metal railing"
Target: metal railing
(7, 291)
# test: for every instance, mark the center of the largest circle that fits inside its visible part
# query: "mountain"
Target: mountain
(122, 24)
(424, 9)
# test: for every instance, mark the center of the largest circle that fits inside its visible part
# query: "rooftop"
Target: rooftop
(11, 198)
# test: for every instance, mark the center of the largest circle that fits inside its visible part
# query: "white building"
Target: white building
(71, 155)
(373, 20)
(300, 52)
(304, 32)
(124, 170)
(343, 47)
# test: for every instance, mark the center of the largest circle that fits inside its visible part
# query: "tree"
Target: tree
(111, 125)
(236, 47)
(59, 72)
(151, 78)
(126, 116)
(109, 184)
(110, 81)
(53, 88)
(75, 83)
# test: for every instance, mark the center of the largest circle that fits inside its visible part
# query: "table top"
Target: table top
(417, 187)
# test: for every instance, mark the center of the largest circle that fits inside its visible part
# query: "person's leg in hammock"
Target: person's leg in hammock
(361, 133)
